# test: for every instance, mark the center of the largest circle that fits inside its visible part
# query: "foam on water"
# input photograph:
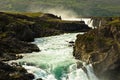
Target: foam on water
(55, 61)
(88, 21)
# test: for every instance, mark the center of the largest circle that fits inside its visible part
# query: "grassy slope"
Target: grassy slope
(82, 7)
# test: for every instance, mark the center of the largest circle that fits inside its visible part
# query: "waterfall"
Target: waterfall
(73, 74)
(88, 21)
(55, 61)
(90, 72)
(77, 74)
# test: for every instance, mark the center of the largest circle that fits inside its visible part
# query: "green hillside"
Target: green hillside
(81, 7)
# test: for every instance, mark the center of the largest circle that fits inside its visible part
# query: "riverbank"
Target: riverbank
(17, 30)
(101, 48)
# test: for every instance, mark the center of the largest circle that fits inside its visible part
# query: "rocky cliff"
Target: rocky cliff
(101, 47)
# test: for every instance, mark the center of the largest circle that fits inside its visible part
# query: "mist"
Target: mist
(62, 12)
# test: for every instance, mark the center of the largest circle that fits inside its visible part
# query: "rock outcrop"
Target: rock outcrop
(101, 47)
(9, 47)
(26, 27)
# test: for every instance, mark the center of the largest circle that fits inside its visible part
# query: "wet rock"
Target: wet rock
(29, 75)
(71, 42)
(82, 22)
(13, 72)
(73, 27)
(40, 79)
(79, 64)
(16, 46)
(12, 46)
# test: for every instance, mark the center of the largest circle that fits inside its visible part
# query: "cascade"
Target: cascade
(55, 61)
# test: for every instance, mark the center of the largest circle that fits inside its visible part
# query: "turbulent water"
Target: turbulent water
(55, 61)
(88, 21)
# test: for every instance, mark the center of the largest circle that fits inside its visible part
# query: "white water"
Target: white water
(88, 21)
(55, 61)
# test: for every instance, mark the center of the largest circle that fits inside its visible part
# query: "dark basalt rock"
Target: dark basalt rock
(14, 72)
(71, 42)
(82, 22)
(73, 27)
(29, 75)
(48, 15)
(39, 79)
(9, 47)
(13, 45)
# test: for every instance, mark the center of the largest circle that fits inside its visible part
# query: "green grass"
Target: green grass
(29, 14)
(32, 14)
(115, 22)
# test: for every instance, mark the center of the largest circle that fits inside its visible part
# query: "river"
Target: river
(55, 61)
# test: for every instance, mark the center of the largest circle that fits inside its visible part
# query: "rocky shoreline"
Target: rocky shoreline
(100, 47)
(18, 30)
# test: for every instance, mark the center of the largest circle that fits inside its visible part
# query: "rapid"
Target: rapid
(55, 61)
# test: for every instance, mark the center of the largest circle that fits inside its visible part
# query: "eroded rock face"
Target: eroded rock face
(101, 48)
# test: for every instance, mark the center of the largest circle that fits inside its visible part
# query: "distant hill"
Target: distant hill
(76, 7)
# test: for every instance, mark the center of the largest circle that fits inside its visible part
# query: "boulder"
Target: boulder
(40, 79)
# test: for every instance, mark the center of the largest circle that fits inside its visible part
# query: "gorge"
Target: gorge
(44, 41)
(17, 30)
(55, 61)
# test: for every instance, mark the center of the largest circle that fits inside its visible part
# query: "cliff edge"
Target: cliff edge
(101, 47)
